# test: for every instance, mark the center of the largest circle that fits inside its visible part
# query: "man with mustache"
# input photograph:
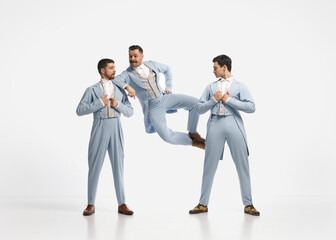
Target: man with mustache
(143, 77)
(107, 102)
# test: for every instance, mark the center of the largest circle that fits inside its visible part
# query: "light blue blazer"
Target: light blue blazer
(130, 77)
(90, 102)
(240, 100)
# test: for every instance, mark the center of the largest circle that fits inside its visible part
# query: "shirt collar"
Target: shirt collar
(106, 81)
(230, 79)
(139, 68)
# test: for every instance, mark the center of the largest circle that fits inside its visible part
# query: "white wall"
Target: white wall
(282, 50)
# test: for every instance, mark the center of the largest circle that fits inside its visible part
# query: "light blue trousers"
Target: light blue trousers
(106, 135)
(157, 114)
(224, 129)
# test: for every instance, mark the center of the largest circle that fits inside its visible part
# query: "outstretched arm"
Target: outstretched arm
(122, 81)
(131, 91)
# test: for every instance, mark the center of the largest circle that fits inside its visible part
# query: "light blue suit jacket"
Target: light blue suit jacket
(130, 77)
(90, 102)
(240, 100)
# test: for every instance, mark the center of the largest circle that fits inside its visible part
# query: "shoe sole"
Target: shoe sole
(121, 212)
(197, 212)
(86, 214)
(252, 214)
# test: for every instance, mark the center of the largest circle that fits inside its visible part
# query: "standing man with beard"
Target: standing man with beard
(107, 102)
(143, 77)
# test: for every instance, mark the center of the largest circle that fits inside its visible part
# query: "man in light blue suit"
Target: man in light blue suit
(143, 77)
(107, 102)
(225, 98)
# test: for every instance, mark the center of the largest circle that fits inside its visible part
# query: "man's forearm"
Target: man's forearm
(203, 107)
(130, 90)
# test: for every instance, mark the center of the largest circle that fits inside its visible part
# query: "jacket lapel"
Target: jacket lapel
(233, 88)
(214, 88)
(97, 90)
(118, 93)
(135, 77)
(151, 66)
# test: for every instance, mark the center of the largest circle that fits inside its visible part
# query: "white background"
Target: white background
(284, 51)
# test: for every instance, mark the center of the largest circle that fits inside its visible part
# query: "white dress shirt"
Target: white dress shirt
(109, 89)
(224, 86)
(142, 70)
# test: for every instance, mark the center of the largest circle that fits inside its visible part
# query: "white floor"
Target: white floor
(61, 218)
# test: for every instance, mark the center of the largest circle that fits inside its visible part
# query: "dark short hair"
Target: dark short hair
(103, 63)
(134, 47)
(223, 60)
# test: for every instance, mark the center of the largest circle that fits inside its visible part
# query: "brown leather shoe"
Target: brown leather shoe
(123, 209)
(251, 210)
(196, 136)
(90, 209)
(199, 209)
(198, 144)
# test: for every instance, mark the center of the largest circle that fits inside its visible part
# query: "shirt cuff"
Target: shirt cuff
(227, 99)
(117, 105)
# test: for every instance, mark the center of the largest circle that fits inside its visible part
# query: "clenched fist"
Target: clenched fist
(226, 96)
(114, 102)
(105, 100)
(218, 96)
